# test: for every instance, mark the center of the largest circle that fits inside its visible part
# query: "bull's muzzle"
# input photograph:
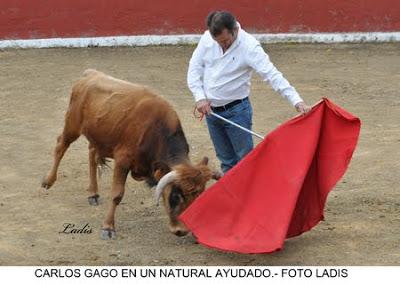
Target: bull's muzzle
(181, 233)
(179, 230)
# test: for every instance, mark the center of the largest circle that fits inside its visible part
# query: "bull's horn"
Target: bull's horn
(168, 178)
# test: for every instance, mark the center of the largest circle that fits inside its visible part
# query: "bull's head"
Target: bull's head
(180, 187)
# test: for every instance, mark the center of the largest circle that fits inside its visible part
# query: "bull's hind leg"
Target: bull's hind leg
(63, 142)
(93, 187)
(118, 188)
(70, 133)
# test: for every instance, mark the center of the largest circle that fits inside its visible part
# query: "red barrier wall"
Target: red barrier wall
(28, 19)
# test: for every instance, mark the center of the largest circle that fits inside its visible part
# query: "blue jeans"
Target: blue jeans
(230, 142)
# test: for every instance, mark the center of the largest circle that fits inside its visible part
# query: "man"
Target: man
(219, 77)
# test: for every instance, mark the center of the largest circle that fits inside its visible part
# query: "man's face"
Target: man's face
(226, 38)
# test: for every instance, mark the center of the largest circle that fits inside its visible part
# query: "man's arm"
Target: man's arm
(260, 62)
(195, 78)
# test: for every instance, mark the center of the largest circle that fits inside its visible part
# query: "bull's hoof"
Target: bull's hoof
(46, 184)
(108, 234)
(94, 200)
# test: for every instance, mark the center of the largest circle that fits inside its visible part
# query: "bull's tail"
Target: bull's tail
(102, 165)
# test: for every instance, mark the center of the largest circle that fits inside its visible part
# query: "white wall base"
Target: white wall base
(192, 39)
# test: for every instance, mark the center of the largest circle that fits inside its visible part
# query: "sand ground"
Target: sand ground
(362, 225)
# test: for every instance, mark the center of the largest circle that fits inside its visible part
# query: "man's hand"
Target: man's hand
(203, 106)
(302, 108)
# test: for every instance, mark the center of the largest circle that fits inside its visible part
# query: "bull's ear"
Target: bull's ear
(204, 161)
(160, 169)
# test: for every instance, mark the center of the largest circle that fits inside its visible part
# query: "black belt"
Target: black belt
(228, 106)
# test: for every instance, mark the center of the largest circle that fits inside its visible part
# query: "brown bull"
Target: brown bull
(142, 133)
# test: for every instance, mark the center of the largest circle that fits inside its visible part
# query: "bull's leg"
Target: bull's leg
(93, 187)
(117, 192)
(63, 142)
(71, 132)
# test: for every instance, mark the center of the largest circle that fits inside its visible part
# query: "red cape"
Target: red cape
(280, 188)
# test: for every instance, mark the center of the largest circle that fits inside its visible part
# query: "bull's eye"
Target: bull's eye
(193, 193)
(175, 197)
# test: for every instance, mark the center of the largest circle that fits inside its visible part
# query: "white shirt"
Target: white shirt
(225, 77)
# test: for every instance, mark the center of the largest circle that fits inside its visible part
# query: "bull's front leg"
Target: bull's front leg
(118, 188)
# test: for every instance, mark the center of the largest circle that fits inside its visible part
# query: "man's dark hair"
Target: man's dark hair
(217, 21)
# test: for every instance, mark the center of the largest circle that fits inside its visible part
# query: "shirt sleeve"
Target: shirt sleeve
(196, 71)
(260, 62)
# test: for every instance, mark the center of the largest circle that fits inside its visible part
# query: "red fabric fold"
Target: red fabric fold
(279, 189)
